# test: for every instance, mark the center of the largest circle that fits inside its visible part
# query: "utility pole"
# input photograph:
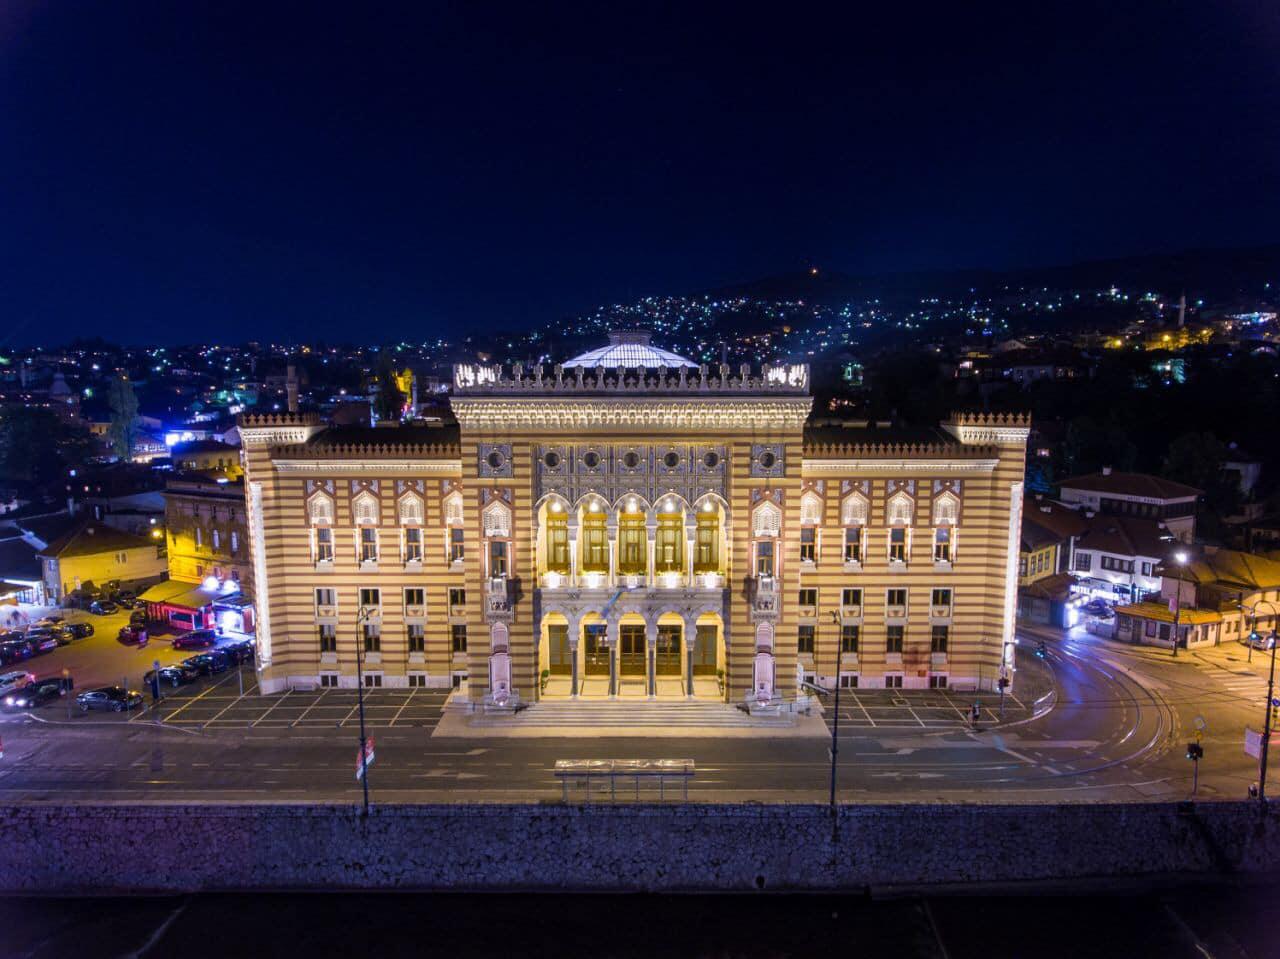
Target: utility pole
(1180, 557)
(361, 617)
(835, 722)
(1266, 720)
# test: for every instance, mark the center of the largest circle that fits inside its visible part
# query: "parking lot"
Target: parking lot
(922, 708)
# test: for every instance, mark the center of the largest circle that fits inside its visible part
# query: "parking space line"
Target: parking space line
(196, 698)
(310, 706)
(402, 706)
(283, 697)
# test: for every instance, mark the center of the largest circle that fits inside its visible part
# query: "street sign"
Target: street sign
(367, 758)
(1200, 723)
(1253, 742)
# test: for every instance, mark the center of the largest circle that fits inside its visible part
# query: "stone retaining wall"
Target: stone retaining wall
(144, 848)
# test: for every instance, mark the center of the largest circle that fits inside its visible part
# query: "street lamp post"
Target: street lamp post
(1266, 721)
(835, 724)
(361, 617)
(1181, 558)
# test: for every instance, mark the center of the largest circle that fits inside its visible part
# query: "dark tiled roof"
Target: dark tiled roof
(18, 560)
(1058, 520)
(1055, 587)
(1035, 536)
(1131, 484)
(1230, 568)
(92, 538)
(204, 446)
(50, 526)
(1125, 536)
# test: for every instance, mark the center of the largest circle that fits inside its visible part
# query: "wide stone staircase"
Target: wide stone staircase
(595, 714)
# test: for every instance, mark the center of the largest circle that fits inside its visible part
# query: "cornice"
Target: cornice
(897, 465)
(437, 467)
(631, 413)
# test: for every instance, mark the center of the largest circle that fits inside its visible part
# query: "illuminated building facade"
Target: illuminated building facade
(629, 524)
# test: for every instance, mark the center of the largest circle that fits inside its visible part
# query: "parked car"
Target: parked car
(115, 698)
(80, 630)
(125, 602)
(35, 693)
(137, 618)
(15, 681)
(44, 642)
(208, 664)
(102, 607)
(63, 635)
(131, 635)
(238, 651)
(16, 650)
(1260, 640)
(196, 639)
(1100, 608)
(176, 675)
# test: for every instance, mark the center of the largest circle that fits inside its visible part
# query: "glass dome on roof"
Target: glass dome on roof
(629, 349)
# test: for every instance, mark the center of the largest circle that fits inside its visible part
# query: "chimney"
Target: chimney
(1106, 471)
(291, 387)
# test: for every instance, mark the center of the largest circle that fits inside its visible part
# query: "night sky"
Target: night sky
(186, 171)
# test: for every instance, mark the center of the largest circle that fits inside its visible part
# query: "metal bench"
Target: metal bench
(602, 771)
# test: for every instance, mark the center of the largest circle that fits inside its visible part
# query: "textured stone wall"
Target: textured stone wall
(100, 848)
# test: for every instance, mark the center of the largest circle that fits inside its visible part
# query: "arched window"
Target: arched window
(764, 637)
(766, 520)
(811, 509)
(854, 510)
(364, 509)
(320, 510)
(411, 510)
(498, 638)
(453, 509)
(900, 510)
(497, 520)
(946, 510)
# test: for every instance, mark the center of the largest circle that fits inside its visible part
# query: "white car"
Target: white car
(18, 679)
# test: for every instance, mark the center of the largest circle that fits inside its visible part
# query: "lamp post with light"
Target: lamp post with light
(1267, 707)
(1180, 557)
(837, 618)
(361, 618)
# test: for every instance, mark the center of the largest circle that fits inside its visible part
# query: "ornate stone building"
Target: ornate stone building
(631, 524)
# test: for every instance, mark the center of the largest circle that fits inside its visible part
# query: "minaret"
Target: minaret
(291, 387)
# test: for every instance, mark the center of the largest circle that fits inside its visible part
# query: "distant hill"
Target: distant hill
(1213, 275)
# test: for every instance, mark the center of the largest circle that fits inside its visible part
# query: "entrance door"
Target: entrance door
(596, 654)
(704, 655)
(631, 655)
(668, 663)
(558, 650)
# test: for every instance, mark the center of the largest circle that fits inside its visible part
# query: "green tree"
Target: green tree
(37, 445)
(389, 403)
(123, 403)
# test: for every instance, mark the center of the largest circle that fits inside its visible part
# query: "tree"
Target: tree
(124, 416)
(389, 403)
(37, 445)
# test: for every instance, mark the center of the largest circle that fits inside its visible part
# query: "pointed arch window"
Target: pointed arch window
(854, 512)
(900, 510)
(411, 510)
(946, 510)
(497, 520)
(766, 520)
(811, 509)
(364, 509)
(320, 510)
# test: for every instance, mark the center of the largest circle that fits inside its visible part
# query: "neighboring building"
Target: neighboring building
(1117, 558)
(632, 524)
(20, 568)
(205, 529)
(208, 456)
(1137, 495)
(95, 553)
(1049, 532)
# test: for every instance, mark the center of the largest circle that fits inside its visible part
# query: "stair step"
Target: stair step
(613, 714)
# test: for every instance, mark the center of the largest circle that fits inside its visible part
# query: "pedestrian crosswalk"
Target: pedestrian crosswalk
(1242, 684)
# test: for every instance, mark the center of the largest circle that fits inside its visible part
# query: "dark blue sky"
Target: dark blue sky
(210, 171)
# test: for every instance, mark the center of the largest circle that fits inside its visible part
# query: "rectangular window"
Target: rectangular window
(848, 682)
(373, 680)
(937, 682)
(412, 544)
(417, 634)
(668, 544)
(804, 639)
(894, 637)
(235, 543)
(942, 544)
(938, 639)
(764, 557)
(853, 544)
(849, 638)
(458, 635)
(417, 681)
(415, 596)
(324, 545)
(328, 638)
(898, 545)
(1022, 566)
(707, 554)
(595, 543)
(893, 682)
(457, 552)
(368, 544)
(851, 597)
(632, 544)
(558, 543)
(895, 597)
(328, 680)
(457, 600)
(1151, 627)
(497, 558)
(372, 638)
(808, 597)
(808, 544)
(371, 599)
(1084, 562)
(941, 597)
(326, 597)
(1148, 569)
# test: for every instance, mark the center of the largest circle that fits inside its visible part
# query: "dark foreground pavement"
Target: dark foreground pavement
(1220, 921)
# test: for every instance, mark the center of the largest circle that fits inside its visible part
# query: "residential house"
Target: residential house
(1117, 558)
(1136, 495)
(1049, 532)
(96, 553)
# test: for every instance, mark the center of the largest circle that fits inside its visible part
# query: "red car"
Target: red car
(196, 639)
(131, 635)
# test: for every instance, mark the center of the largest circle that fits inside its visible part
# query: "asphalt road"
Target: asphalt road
(1112, 723)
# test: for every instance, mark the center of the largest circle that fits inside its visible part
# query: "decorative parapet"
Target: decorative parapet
(259, 420)
(896, 451)
(364, 451)
(1002, 429)
(273, 429)
(474, 379)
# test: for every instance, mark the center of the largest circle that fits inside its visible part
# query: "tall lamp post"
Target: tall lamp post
(1266, 720)
(1180, 557)
(837, 618)
(361, 618)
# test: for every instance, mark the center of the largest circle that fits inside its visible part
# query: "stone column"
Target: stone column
(690, 547)
(611, 643)
(651, 531)
(690, 646)
(611, 534)
(651, 658)
(575, 634)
